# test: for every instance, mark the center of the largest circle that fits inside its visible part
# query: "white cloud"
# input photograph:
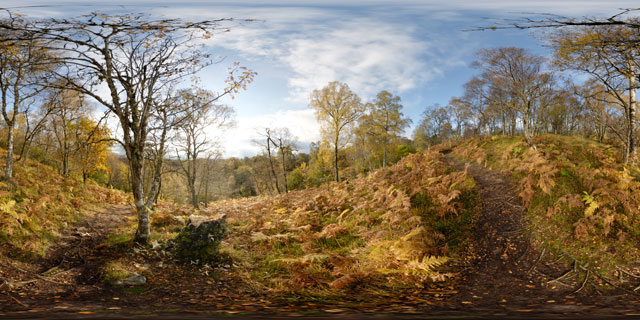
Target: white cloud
(368, 61)
(368, 53)
(237, 142)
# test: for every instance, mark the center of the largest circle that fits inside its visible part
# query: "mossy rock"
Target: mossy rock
(116, 275)
(200, 239)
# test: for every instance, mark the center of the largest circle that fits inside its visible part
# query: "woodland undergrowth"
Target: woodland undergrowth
(390, 229)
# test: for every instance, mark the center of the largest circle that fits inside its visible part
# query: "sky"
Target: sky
(420, 51)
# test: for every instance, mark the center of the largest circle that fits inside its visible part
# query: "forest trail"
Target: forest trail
(71, 268)
(506, 274)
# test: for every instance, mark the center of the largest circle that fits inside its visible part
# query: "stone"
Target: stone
(134, 279)
(178, 219)
(200, 239)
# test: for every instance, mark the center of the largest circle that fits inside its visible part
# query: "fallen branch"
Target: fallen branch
(562, 256)
(607, 281)
(92, 228)
(39, 276)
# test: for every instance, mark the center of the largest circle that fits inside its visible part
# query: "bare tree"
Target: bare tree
(266, 142)
(512, 72)
(134, 57)
(22, 63)
(202, 115)
(68, 106)
(611, 55)
(606, 48)
(286, 144)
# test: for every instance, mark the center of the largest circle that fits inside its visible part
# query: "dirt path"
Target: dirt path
(70, 269)
(506, 274)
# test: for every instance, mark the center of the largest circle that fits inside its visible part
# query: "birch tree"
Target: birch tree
(337, 108)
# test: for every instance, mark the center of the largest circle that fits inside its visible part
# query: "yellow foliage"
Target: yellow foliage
(592, 205)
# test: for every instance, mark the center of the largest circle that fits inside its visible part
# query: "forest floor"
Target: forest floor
(505, 275)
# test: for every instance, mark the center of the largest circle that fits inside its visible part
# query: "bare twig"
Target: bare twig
(537, 260)
(17, 301)
(627, 272)
(12, 284)
(525, 250)
(586, 278)
(562, 256)
(562, 276)
(92, 228)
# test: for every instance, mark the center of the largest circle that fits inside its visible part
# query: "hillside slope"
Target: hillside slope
(433, 234)
(390, 228)
(39, 203)
(582, 204)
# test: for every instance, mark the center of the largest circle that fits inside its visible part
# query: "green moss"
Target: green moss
(135, 289)
(120, 240)
(113, 272)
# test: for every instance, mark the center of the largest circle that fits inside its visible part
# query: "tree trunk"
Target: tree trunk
(191, 182)
(284, 170)
(157, 196)
(8, 170)
(206, 190)
(65, 160)
(159, 163)
(194, 195)
(384, 154)
(273, 171)
(335, 162)
(633, 109)
(144, 228)
(157, 180)
(526, 123)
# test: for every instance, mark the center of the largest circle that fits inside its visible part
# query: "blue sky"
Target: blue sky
(415, 49)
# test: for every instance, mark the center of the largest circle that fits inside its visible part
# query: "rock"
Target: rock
(178, 219)
(196, 220)
(200, 239)
(134, 279)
